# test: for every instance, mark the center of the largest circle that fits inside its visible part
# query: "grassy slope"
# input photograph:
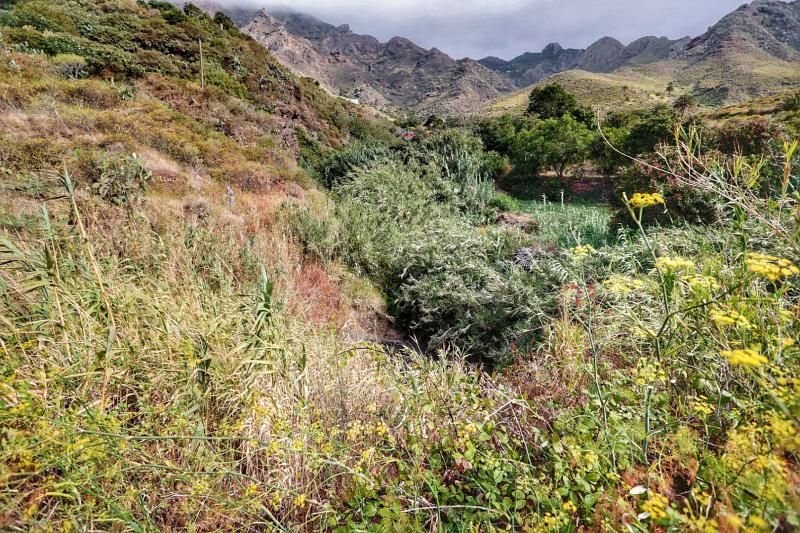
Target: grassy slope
(744, 75)
(625, 89)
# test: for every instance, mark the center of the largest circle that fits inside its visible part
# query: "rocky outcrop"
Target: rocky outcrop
(770, 27)
(605, 55)
(397, 74)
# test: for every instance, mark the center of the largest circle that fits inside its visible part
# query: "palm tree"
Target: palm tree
(684, 103)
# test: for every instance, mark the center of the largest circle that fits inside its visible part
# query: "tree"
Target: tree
(684, 103)
(551, 101)
(671, 88)
(555, 143)
(651, 129)
(608, 158)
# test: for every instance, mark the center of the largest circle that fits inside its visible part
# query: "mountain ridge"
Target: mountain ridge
(759, 42)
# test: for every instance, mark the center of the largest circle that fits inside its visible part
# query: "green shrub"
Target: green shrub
(792, 102)
(71, 66)
(121, 179)
(226, 82)
(504, 202)
(353, 156)
(685, 204)
(450, 283)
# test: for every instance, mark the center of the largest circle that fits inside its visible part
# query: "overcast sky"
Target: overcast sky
(506, 28)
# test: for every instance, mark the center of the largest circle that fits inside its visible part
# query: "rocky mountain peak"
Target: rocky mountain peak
(395, 74)
(552, 49)
(401, 74)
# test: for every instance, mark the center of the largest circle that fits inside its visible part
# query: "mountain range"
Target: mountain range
(752, 51)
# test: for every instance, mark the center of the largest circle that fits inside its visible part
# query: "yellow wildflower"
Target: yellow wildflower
(569, 507)
(623, 285)
(251, 490)
(581, 252)
(701, 282)
(701, 406)
(300, 500)
(381, 429)
(782, 430)
(355, 431)
(641, 200)
(648, 373)
(771, 267)
(734, 521)
(729, 318)
(673, 264)
(747, 357)
(655, 507)
(758, 523)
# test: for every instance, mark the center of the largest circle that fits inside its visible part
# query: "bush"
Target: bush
(226, 82)
(504, 203)
(608, 158)
(747, 137)
(71, 66)
(651, 129)
(685, 204)
(355, 155)
(450, 283)
(792, 102)
(121, 179)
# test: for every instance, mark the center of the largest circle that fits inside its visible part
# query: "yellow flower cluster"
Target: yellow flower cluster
(355, 431)
(251, 490)
(381, 429)
(748, 357)
(648, 373)
(623, 285)
(581, 252)
(784, 431)
(655, 507)
(702, 524)
(729, 318)
(771, 267)
(673, 264)
(701, 406)
(701, 282)
(641, 200)
(300, 500)
(555, 522)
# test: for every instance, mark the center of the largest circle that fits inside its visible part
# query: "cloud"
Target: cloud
(506, 28)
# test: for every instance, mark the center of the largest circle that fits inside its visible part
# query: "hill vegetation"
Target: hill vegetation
(230, 301)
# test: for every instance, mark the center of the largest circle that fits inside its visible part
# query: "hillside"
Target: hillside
(127, 100)
(751, 52)
(628, 88)
(394, 75)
